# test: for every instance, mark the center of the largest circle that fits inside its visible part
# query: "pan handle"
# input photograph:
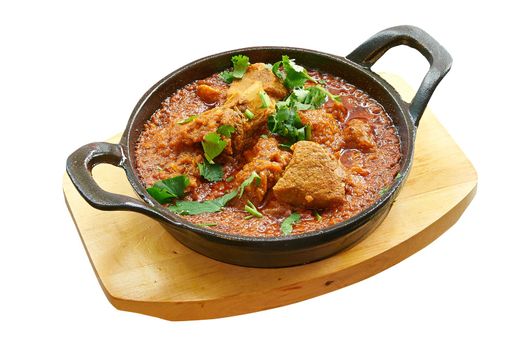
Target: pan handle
(440, 60)
(79, 167)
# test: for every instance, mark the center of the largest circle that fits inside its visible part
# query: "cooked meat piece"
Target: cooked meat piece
(243, 95)
(359, 135)
(325, 129)
(243, 100)
(260, 72)
(312, 179)
(194, 131)
(210, 94)
(268, 161)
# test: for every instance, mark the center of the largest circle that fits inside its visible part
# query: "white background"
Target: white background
(71, 72)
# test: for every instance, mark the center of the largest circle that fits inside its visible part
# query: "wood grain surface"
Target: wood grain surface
(143, 269)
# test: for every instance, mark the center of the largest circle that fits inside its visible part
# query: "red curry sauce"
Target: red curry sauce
(365, 172)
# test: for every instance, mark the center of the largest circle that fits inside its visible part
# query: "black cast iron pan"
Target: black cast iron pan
(272, 251)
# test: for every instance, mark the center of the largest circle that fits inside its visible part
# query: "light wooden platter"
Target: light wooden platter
(143, 269)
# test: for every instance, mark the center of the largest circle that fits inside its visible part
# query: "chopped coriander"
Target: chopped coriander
(253, 176)
(187, 120)
(226, 130)
(205, 224)
(229, 179)
(165, 190)
(252, 210)
(240, 65)
(265, 99)
(384, 190)
(214, 205)
(212, 146)
(195, 208)
(249, 114)
(317, 216)
(312, 97)
(227, 76)
(294, 75)
(397, 176)
(211, 172)
(287, 224)
(264, 136)
(286, 122)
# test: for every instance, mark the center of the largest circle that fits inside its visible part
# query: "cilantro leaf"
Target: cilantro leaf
(294, 75)
(211, 172)
(206, 224)
(227, 76)
(384, 190)
(214, 205)
(240, 65)
(253, 176)
(165, 190)
(226, 130)
(312, 97)
(187, 120)
(286, 122)
(212, 146)
(287, 224)
(195, 208)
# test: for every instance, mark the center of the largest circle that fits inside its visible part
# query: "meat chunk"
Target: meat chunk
(248, 99)
(194, 131)
(262, 73)
(325, 129)
(244, 96)
(210, 94)
(312, 179)
(268, 161)
(359, 135)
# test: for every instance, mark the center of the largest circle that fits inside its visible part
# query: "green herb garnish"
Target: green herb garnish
(212, 146)
(249, 114)
(312, 97)
(286, 122)
(187, 120)
(293, 75)
(384, 190)
(317, 215)
(229, 179)
(252, 210)
(287, 224)
(205, 224)
(253, 176)
(240, 65)
(265, 99)
(165, 190)
(211, 172)
(195, 208)
(226, 130)
(214, 205)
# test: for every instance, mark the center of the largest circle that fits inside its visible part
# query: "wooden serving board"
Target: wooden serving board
(143, 269)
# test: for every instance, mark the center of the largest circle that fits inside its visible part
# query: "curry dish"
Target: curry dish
(268, 150)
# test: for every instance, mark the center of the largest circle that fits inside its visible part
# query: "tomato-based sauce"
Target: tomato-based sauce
(356, 134)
